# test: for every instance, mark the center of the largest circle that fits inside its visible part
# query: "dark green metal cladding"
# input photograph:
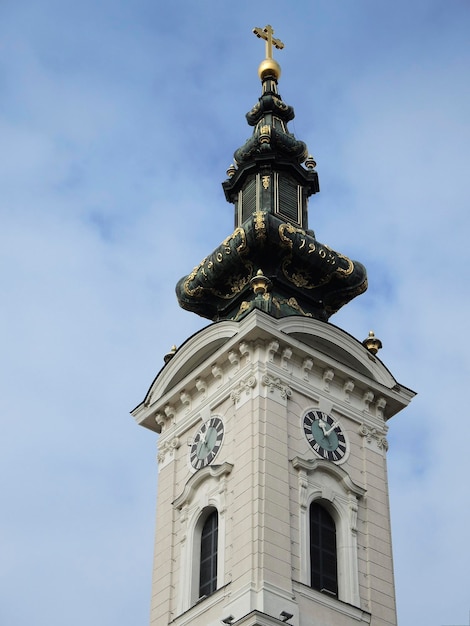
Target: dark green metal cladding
(271, 160)
(307, 278)
(269, 188)
(270, 111)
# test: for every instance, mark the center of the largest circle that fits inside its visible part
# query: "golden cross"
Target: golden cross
(266, 33)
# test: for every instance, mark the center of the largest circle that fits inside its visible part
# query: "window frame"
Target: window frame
(204, 492)
(332, 487)
(326, 525)
(209, 514)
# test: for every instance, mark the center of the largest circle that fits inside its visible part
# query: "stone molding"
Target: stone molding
(354, 613)
(326, 482)
(205, 489)
(191, 487)
(302, 364)
(310, 466)
(304, 348)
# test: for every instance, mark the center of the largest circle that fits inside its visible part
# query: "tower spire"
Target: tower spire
(269, 185)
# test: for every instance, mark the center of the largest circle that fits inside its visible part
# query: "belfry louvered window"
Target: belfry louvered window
(208, 561)
(249, 198)
(288, 199)
(323, 560)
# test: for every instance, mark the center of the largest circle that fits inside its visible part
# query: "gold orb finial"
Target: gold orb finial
(372, 343)
(269, 67)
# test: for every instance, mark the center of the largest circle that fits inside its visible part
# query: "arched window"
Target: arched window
(323, 559)
(208, 555)
(203, 495)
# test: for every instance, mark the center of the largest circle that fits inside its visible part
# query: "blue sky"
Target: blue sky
(117, 123)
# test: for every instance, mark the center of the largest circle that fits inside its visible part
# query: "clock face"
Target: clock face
(325, 436)
(206, 443)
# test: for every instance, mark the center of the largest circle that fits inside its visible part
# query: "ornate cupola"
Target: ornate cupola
(272, 261)
(269, 175)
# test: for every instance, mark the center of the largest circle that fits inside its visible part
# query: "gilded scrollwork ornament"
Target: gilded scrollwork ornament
(259, 222)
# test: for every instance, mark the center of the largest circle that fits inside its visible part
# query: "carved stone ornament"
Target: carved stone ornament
(201, 386)
(243, 386)
(380, 407)
(328, 376)
(275, 383)
(217, 373)
(307, 367)
(372, 434)
(162, 418)
(245, 351)
(169, 411)
(185, 400)
(367, 398)
(285, 358)
(348, 388)
(234, 359)
(272, 349)
(167, 447)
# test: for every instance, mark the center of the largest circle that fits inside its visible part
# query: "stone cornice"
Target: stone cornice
(200, 375)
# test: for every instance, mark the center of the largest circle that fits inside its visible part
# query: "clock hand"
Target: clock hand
(208, 437)
(328, 433)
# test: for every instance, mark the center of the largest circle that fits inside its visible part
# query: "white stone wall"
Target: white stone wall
(260, 376)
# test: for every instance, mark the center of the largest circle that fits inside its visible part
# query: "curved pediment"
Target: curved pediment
(192, 486)
(194, 351)
(338, 344)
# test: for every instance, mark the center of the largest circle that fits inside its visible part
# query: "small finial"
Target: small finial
(260, 283)
(269, 67)
(231, 170)
(310, 162)
(169, 355)
(372, 343)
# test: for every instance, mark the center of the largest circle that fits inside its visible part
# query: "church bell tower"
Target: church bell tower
(272, 483)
